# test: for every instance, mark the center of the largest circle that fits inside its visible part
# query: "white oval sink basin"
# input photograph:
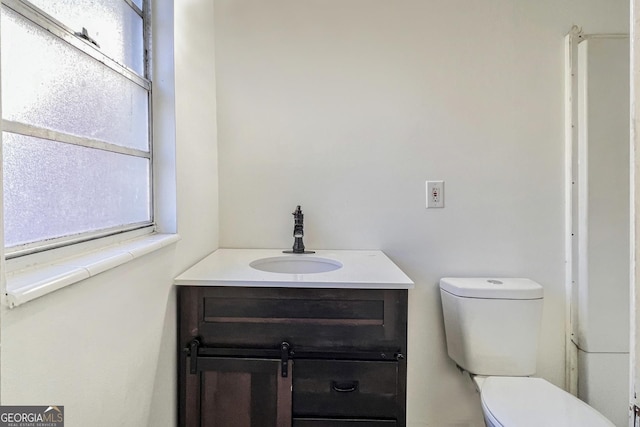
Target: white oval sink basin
(293, 264)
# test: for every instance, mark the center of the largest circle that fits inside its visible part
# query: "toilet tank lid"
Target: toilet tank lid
(492, 287)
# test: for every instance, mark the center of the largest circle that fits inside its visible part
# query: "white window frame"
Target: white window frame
(31, 271)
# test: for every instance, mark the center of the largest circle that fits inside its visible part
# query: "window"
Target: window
(76, 121)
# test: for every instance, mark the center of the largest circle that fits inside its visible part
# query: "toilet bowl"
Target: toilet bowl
(491, 328)
(534, 402)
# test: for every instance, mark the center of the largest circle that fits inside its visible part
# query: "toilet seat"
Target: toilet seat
(534, 402)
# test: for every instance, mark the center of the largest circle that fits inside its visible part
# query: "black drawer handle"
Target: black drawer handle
(344, 387)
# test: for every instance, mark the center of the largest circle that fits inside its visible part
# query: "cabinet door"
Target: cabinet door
(236, 392)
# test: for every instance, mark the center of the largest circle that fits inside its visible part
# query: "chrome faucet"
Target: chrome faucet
(298, 232)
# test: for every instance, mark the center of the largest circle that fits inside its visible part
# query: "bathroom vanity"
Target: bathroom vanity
(263, 344)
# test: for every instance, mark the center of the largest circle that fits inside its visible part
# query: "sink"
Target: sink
(295, 264)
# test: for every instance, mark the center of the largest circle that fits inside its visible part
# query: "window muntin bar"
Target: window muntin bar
(48, 134)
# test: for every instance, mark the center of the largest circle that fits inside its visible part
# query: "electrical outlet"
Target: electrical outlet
(435, 194)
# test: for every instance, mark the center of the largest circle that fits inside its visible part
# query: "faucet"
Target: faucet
(298, 232)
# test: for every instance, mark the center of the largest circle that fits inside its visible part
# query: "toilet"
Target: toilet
(492, 327)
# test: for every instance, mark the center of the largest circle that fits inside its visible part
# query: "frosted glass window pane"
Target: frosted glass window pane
(112, 23)
(48, 83)
(138, 3)
(53, 189)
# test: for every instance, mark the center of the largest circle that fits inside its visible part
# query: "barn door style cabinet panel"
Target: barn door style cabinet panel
(286, 356)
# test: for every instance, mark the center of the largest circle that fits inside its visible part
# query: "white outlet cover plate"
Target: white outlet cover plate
(435, 194)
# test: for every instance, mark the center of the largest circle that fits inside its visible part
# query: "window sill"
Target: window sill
(26, 285)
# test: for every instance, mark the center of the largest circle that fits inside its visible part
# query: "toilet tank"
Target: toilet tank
(492, 325)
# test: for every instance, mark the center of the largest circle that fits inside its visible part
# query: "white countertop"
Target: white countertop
(360, 270)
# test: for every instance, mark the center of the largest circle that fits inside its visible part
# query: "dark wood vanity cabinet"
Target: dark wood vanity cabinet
(282, 357)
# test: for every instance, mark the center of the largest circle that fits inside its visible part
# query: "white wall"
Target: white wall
(346, 108)
(105, 348)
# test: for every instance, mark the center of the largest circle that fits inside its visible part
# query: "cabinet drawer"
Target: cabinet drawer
(341, 388)
(368, 319)
(328, 422)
